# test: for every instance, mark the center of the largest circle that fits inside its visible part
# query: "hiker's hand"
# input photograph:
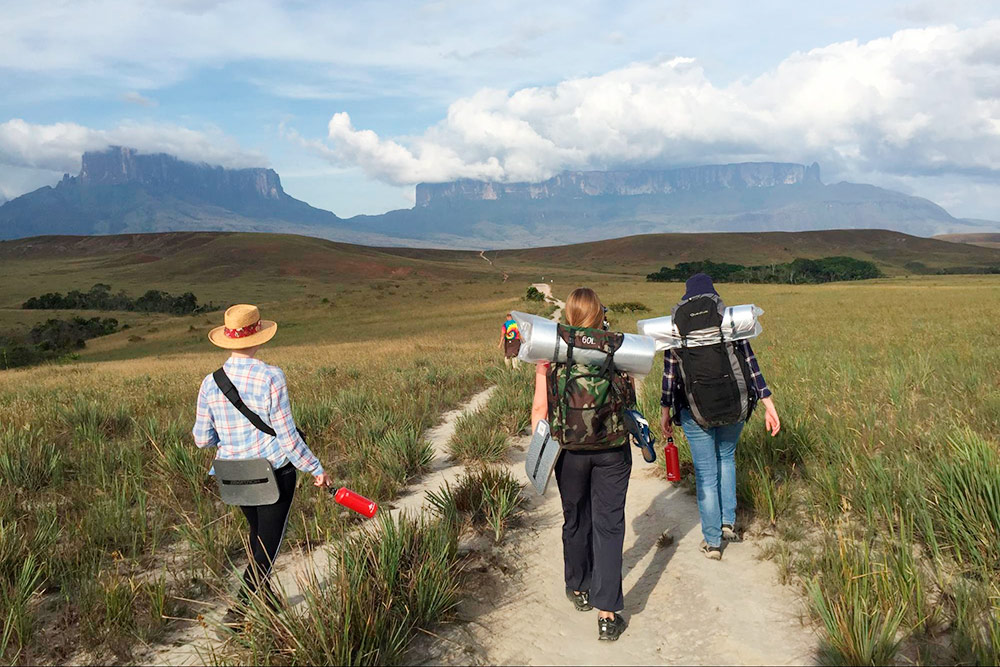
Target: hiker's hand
(771, 421)
(666, 426)
(322, 480)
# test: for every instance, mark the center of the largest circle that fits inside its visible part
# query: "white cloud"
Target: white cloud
(59, 146)
(921, 102)
(140, 99)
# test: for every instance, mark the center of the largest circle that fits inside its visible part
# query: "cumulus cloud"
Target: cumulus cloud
(921, 102)
(59, 146)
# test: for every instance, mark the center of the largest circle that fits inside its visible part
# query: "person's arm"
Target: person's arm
(204, 431)
(540, 402)
(670, 372)
(291, 442)
(771, 420)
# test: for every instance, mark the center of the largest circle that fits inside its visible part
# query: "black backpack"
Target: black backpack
(717, 380)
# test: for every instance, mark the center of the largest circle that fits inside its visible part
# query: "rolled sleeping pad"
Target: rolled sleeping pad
(541, 342)
(738, 323)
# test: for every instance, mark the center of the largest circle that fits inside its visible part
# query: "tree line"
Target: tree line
(100, 297)
(51, 339)
(797, 272)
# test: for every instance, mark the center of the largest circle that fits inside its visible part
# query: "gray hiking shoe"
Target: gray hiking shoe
(712, 553)
(729, 533)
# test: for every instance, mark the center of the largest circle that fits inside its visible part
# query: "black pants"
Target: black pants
(267, 528)
(593, 487)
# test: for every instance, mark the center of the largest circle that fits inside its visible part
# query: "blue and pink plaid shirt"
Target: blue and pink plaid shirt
(263, 389)
(673, 395)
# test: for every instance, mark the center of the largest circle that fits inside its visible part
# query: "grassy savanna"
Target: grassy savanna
(112, 518)
(880, 490)
(882, 487)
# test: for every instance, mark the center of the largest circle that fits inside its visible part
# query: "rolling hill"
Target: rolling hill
(983, 240)
(215, 264)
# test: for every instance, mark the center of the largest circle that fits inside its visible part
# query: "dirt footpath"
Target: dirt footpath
(681, 607)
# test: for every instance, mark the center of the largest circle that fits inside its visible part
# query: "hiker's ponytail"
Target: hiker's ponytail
(584, 309)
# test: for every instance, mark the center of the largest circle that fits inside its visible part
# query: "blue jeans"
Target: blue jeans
(713, 452)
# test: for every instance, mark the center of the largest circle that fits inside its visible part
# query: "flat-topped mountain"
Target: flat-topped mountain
(575, 184)
(120, 191)
(119, 166)
(582, 206)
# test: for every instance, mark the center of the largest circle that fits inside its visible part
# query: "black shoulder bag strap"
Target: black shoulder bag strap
(233, 394)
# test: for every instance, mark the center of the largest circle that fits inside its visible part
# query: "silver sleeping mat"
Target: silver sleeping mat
(541, 342)
(543, 452)
(738, 323)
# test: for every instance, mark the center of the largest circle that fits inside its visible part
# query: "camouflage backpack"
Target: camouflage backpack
(587, 403)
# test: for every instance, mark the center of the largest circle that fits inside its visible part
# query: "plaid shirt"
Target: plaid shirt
(673, 395)
(263, 389)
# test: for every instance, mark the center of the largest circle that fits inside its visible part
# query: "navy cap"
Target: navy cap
(699, 283)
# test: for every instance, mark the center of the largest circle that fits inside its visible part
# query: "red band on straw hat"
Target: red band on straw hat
(242, 332)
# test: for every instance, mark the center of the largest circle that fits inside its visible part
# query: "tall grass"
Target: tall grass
(488, 497)
(860, 628)
(964, 498)
(481, 437)
(106, 490)
(889, 440)
(387, 582)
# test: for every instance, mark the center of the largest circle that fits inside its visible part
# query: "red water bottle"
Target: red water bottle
(673, 462)
(356, 502)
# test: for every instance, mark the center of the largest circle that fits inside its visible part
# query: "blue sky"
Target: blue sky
(354, 102)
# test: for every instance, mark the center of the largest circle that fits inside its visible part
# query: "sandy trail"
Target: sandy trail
(681, 607)
(546, 290)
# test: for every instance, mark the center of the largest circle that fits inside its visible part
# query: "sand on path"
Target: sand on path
(681, 607)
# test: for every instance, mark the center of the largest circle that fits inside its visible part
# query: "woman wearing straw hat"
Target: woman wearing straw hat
(221, 423)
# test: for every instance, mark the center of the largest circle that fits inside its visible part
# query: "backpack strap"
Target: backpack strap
(569, 370)
(232, 393)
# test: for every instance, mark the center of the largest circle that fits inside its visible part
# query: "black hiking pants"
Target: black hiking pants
(593, 487)
(267, 529)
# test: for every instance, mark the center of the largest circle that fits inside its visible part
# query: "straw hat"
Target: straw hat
(243, 329)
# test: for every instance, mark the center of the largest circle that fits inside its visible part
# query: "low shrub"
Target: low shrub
(485, 498)
(533, 294)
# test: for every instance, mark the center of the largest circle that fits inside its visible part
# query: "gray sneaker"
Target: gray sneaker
(729, 533)
(712, 553)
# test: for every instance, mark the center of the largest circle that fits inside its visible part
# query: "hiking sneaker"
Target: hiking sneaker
(580, 600)
(729, 533)
(712, 553)
(610, 629)
(230, 624)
